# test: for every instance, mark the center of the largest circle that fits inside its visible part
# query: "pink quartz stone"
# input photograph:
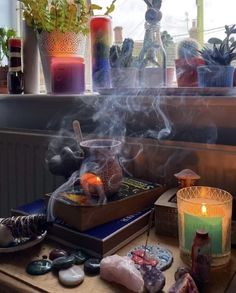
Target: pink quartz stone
(121, 270)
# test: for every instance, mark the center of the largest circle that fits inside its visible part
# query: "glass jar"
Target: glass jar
(207, 209)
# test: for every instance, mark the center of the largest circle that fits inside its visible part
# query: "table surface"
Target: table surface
(13, 277)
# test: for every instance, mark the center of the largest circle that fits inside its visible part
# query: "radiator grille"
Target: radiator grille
(24, 176)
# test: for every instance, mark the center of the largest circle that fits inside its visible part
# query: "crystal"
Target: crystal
(154, 279)
(121, 270)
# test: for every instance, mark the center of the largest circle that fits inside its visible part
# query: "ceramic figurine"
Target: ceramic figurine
(187, 178)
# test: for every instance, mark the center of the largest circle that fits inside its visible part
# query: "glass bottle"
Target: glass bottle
(154, 58)
(15, 75)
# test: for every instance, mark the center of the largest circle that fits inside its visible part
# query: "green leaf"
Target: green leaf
(214, 41)
(95, 7)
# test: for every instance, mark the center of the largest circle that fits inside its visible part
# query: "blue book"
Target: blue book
(99, 241)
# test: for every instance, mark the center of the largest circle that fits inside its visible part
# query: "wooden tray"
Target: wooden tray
(134, 195)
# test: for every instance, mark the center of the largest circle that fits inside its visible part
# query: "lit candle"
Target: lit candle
(205, 209)
(203, 219)
(68, 75)
(92, 184)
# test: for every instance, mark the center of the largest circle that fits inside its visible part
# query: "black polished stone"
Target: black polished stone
(80, 257)
(92, 266)
(56, 253)
(63, 262)
(39, 267)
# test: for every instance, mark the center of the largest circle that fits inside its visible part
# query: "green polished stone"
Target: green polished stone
(80, 257)
(92, 266)
(39, 267)
(63, 262)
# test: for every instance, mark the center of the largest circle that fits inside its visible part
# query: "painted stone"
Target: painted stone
(63, 262)
(39, 267)
(72, 276)
(92, 266)
(55, 253)
(80, 257)
(154, 279)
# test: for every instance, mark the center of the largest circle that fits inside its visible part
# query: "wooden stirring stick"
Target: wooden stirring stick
(77, 131)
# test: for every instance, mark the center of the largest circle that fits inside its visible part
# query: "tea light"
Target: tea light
(207, 209)
(92, 184)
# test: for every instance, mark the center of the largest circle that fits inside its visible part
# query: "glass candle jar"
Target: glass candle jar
(206, 209)
(101, 39)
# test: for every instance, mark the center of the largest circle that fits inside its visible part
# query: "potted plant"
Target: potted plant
(187, 62)
(60, 26)
(218, 71)
(124, 72)
(5, 35)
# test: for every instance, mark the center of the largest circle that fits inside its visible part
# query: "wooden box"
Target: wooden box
(134, 196)
(166, 214)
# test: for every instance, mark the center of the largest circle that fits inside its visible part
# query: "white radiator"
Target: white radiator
(24, 176)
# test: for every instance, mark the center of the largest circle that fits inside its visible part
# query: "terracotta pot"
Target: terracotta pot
(186, 71)
(101, 160)
(3, 79)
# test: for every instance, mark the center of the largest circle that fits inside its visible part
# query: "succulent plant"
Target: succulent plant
(223, 51)
(122, 56)
(187, 48)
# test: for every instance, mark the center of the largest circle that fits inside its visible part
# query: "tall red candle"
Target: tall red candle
(101, 40)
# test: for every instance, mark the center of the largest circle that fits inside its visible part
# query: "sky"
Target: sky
(130, 15)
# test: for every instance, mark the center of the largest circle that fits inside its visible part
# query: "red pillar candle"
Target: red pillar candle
(68, 75)
(101, 40)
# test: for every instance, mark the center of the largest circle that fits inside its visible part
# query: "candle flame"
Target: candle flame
(204, 210)
(98, 179)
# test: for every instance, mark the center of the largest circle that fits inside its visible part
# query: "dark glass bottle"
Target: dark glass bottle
(15, 74)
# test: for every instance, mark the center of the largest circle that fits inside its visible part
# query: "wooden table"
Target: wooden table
(13, 277)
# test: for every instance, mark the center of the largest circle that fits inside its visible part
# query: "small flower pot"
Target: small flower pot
(153, 77)
(215, 76)
(186, 71)
(124, 77)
